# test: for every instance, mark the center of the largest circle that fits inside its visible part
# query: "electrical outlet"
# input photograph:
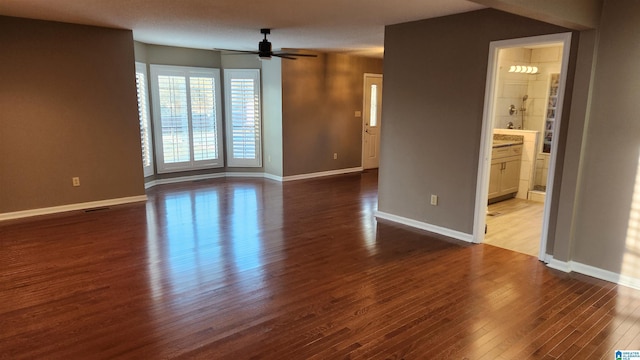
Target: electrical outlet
(434, 200)
(75, 181)
(358, 114)
(335, 156)
(269, 158)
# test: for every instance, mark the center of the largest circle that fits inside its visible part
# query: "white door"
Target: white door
(371, 120)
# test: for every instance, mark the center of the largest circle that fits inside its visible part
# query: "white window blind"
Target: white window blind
(243, 120)
(144, 118)
(186, 117)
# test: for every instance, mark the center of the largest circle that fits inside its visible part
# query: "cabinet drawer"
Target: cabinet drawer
(505, 151)
(505, 159)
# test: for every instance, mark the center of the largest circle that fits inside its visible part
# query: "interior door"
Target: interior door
(371, 121)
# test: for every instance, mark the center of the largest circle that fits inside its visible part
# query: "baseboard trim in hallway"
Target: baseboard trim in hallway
(598, 273)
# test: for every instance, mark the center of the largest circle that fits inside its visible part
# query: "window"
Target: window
(186, 110)
(242, 110)
(373, 115)
(143, 116)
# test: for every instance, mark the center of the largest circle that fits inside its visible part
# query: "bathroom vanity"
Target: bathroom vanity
(506, 157)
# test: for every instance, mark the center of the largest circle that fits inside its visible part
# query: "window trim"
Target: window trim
(187, 72)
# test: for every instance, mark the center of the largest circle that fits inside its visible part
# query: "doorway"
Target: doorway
(371, 121)
(521, 85)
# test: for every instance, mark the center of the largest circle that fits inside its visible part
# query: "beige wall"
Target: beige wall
(320, 96)
(435, 74)
(68, 100)
(607, 220)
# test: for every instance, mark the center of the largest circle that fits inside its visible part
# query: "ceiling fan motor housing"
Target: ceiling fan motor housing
(264, 49)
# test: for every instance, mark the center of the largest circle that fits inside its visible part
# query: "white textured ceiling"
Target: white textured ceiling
(332, 25)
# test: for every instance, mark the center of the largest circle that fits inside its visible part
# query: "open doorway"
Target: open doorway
(371, 121)
(523, 103)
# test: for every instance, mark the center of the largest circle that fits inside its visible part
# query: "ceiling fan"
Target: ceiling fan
(265, 52)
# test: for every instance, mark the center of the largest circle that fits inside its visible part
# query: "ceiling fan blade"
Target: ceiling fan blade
(295, 54)
(264, 50)
(285, 56)
(238, 51)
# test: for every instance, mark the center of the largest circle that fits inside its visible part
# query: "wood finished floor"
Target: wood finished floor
(255, 269)
(516, 225)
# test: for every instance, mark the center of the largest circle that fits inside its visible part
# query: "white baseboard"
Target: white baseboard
(179, 179)
(152, 183)
(424, 226)
(245, 174)
(557, 264)
(273, 177)
(71, 207)
(322, 174)
(569, 266)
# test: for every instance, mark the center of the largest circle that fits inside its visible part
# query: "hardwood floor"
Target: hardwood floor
(516, 225)
(255, 269)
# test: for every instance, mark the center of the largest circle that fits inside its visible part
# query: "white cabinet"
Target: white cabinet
(505, 171)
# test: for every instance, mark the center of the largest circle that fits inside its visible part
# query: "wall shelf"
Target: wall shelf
(549, 125)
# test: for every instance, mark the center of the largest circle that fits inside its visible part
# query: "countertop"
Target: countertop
(501, 140)
(502, 143)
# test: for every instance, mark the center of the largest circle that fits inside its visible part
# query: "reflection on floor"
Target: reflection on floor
(515, 224)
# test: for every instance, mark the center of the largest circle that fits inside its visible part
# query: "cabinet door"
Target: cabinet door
(494, 179)
(511, 177)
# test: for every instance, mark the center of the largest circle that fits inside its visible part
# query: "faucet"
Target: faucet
(510, 125)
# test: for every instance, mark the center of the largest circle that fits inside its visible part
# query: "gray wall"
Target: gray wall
(610, 180)
(574, 14)
(170, 55)
(435, 74)
(320, 96)
(68, 100)
(572, 136)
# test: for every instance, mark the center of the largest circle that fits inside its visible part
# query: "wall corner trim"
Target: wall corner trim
(570, 266)
(71, 207)
(425, 226)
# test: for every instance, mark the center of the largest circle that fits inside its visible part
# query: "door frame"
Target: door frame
(364, 101)
(488, 116)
